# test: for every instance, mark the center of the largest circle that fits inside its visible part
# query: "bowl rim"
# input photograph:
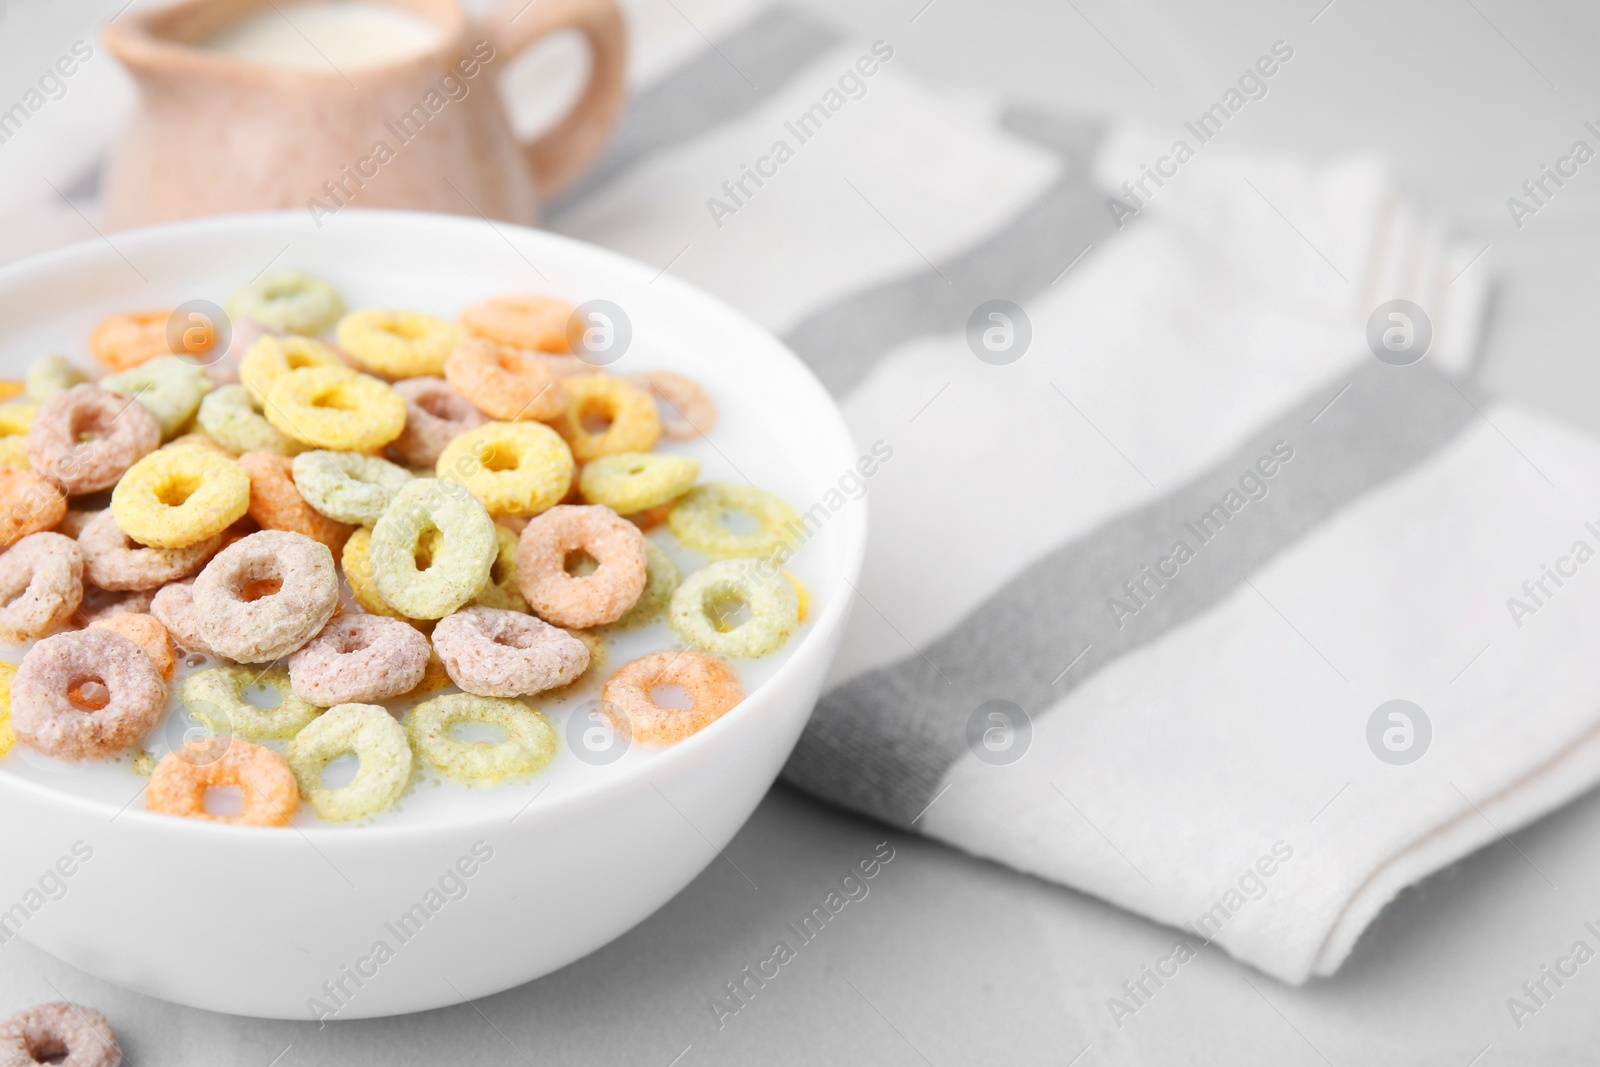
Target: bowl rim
(832, 617)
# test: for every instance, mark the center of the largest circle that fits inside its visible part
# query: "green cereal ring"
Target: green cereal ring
(660, 582)
(232, 422)
(216, 699)
(348, 486)
(466, 549)
(502, 591)
(169, 387)
(49, 375)
(529, 744)
(696, 520)
(371, 734)
(288, 300)
(629, 482)
(704, 601)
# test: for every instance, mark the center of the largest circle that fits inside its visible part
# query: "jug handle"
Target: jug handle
(559, 155)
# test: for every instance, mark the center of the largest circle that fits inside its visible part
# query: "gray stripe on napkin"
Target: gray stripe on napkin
(706, 92)
(842, 341)
(882, 743)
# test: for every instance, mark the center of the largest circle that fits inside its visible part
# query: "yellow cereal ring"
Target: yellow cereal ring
(10, 387)
(630, 482)
(178, 496)
(15, 422)
(7, 738)
(635, 425)
(329, 407)
(801, 593)
(697, 520)
(398, 344)
(271, 357)
(514, 468)
(357, 563)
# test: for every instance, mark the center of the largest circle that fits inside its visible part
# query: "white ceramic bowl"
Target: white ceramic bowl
(265, 921)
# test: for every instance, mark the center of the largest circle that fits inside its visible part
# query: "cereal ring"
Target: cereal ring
(271, 626)
(516, 468)
(701, 608)
(370, 733)
(660, 582)
(712, 686)
(178, 784)
(359, 659)
(685, 409)
(348, 486)
(180, 496)
(629, 482)
(173, 607)
(28, 504)
(650, 518)
(696, 520)
(287, 300)
(435, 415)
(356, 560)
(501, 590)
(460, 563)
(434, 678)
(68, 1034)
(41, 585)
(333, 408)
(276, 504)
(493, 653)
(503, 382)
(529, 745)
(7, 674)
(801, 596)
(170, 388)
(601, 597)
(146, 632)
(216, 700)
(228, 417)
(127, 340)
(271, 357)
(15, 422)
(631, 413)
(46, 718)
(114, 561)
(85, 438)
(531, 321)
(51, 374)
(398, 344)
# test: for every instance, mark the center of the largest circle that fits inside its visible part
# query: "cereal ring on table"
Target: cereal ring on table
(51, 374)
(501, 590)
(530, 321)
(287, 300)
(173, 607)
(661, 580)
(180, 496)
(127, 340)
(28, 505)
(41, 585)
(696, 520)
(85, 438)
(7, 738)
(274, 625)
(276, 504)
(68, 1034)
(529, 744)
(146, 632)
(461, 559)
(348, 487)
(397, 344)
(633, 426)
(712, 686)
(178, 784)
(230, 420)
(359, 659)
(115, 562)
(373, 736)
(515, 468)
(494, 653)
(701, 608)
(271, 357)
(46, 718)
(15, 422)
(216, 699)
(435, 415)
(504, 382)
(685, 409)
(328, 407)
(168, 387)
(630, 482)
(593, 599)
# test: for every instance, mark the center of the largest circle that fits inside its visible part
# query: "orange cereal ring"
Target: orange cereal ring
(10, 387)
(179, 784)
(28, 504)
(685, 409)
(627, 415)
(711, 684)
(530, 321)
(276, 504)
(146, 632)
(129, 339)
(503, 382)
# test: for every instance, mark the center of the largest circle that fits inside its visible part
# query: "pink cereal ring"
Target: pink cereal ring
(41, 585)
(435, 415)
(359, 659)
(179, 784)
(490, 652)
(685, 409)
(44, 715)
(173, 607)
(255, 629)
(594, 599)
(114, 561)
(83, 439)
(60, 1032)
(712, 686)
